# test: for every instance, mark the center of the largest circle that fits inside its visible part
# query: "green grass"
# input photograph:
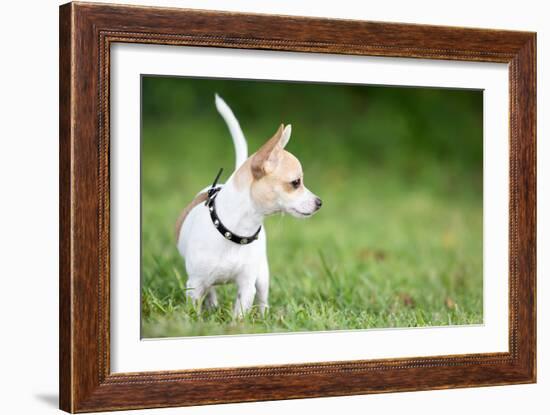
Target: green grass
(398, 242)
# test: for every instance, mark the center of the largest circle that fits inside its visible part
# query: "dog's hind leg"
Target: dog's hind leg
(211, 300)
(195, 291)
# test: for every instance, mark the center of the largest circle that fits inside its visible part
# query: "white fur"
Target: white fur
(210, 259)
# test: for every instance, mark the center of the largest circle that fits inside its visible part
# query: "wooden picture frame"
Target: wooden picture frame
(86, 33)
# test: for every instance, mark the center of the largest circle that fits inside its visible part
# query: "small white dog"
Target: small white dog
(220, 233)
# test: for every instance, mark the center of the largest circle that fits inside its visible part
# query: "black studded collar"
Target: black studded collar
(226, 233)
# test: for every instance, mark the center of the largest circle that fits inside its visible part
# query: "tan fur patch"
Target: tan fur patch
(243, 176)
(261, 159)
(289, 168)
(276, 185)
(201, 197)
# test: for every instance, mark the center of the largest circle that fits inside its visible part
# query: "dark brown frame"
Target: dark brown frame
(86, 33)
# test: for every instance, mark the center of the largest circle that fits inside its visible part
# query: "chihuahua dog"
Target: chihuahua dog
(220, 234)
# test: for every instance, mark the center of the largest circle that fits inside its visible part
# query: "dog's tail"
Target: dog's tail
(239, 141)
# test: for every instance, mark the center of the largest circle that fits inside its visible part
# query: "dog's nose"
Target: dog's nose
(318, 202)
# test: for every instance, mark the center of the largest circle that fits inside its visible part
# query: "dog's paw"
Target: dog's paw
(264, 309)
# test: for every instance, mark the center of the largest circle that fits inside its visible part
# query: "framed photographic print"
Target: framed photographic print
(260, 207)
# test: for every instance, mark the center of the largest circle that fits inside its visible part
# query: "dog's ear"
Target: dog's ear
(267, 157)
(285, 136)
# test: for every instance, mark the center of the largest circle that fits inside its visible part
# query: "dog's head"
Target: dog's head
(277, 180)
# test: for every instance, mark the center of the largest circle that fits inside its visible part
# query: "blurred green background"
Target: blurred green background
(398, 242)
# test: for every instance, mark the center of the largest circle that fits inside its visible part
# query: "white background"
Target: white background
(129, 354)
(29, 228)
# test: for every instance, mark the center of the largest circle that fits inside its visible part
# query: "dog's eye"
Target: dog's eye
(296, 183)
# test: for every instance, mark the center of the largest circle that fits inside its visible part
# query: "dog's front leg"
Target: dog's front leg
(195, 290)
(262, 286)
(246, 291)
